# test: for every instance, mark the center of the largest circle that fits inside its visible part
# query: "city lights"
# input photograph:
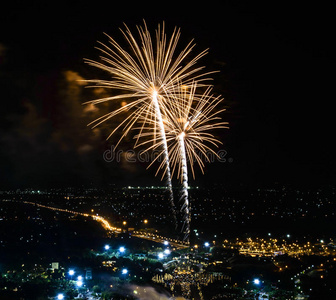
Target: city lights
(188, 266)
(285, 256)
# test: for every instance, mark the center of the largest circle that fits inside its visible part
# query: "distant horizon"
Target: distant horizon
(268, 186)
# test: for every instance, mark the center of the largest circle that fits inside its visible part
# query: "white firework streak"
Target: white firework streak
(184, 193)
(165, 153)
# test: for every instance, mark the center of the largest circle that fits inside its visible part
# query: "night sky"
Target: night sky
(276, 65)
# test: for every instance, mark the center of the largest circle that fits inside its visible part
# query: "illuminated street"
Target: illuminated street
(107, 226)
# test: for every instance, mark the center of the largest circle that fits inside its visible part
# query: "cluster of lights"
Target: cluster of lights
(273, 247)
(121, 249)
(79, 281)
(186, 279)
(165, 252)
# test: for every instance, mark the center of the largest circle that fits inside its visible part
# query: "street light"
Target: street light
(71, 273)
(206, 244)
(160, 255)
(80, 278)
(256, 281)
(122, 249)
(60, 296)
(124, 271)
(167, 251)
(107, 247)
(166, 243)
(79, 283)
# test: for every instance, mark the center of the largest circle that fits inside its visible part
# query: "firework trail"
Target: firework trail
(147, 73)
(165, 151)
(184, 193)
(190, 118)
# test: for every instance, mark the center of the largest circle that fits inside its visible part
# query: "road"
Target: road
(160, 239)
(107, 226)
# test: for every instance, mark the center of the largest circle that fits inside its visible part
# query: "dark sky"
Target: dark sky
(276, 67)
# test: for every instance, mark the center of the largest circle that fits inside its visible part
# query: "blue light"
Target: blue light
(106, 247)
(80, 278)
(60, 296)
(206, 244)
(79, 283)
(71, 272)
(256, 281)
(160, 255)
(122, 249)
(124, 271)
(166, 243)
(167, 251)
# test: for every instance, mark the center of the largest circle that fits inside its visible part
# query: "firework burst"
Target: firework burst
(144, 72)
